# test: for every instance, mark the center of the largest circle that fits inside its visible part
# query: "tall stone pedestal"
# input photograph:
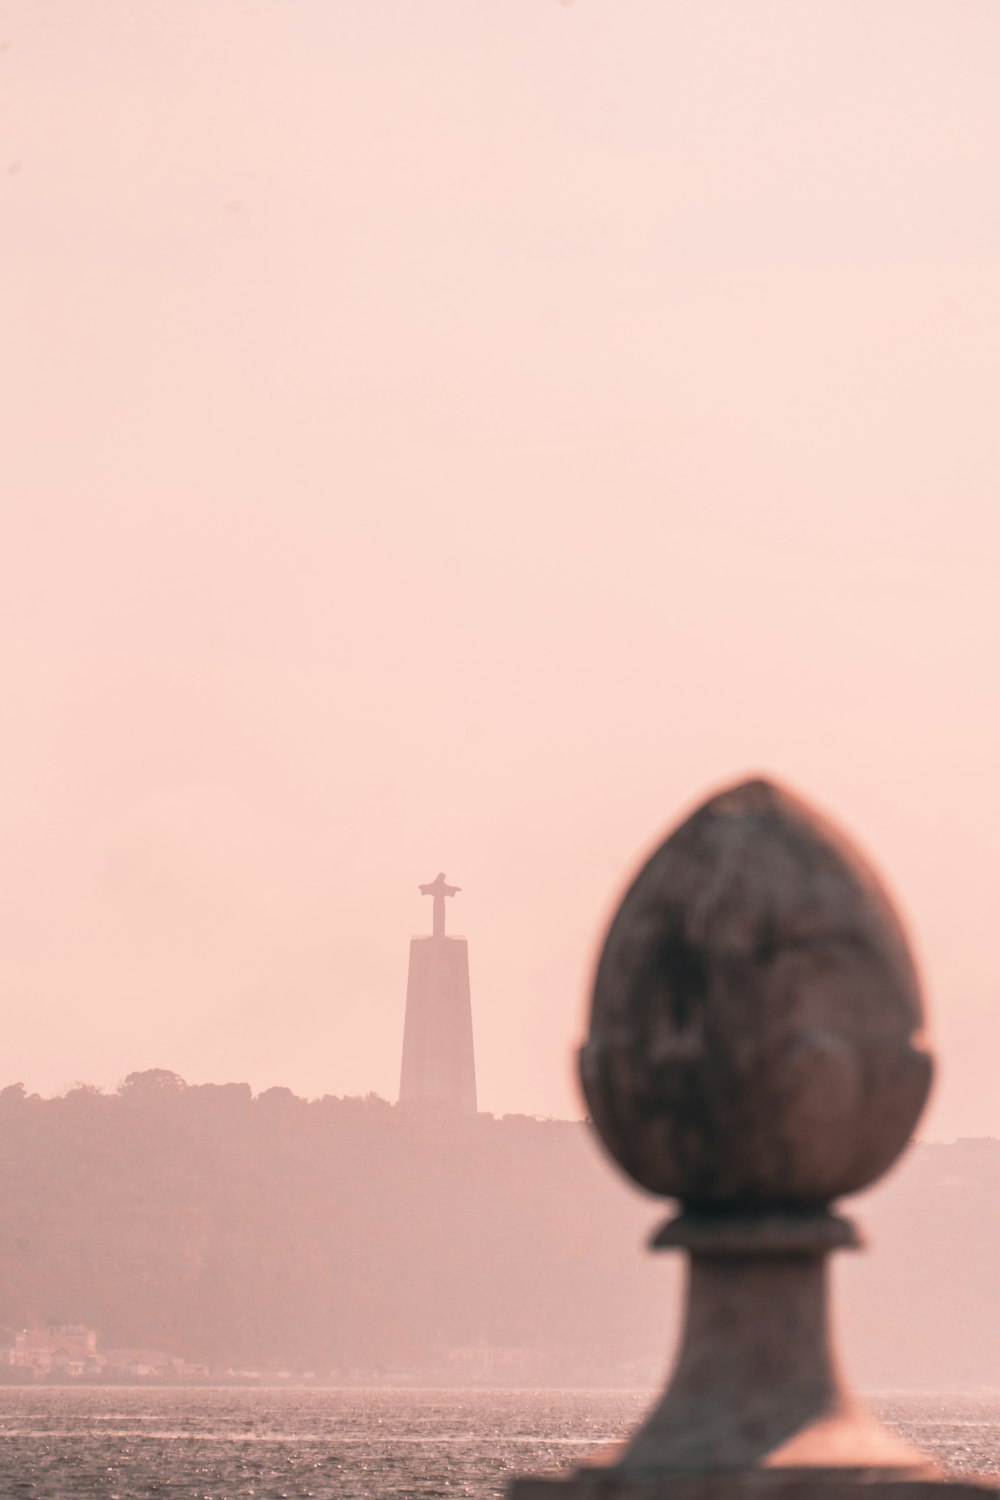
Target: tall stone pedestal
(439, 1068)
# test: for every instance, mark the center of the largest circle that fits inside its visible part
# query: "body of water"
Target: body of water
(131, 1444)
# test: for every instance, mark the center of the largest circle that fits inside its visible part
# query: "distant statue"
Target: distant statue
(439, 888)
(439, 1063)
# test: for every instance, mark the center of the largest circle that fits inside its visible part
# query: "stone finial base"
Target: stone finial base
(758, 1484)
(756, 1386)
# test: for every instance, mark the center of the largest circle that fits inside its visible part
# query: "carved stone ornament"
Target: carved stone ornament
(756, 1051)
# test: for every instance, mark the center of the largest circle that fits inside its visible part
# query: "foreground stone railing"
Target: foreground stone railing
(756, 1051)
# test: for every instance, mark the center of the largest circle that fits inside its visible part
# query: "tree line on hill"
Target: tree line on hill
(347, 1235)
(329, 1234)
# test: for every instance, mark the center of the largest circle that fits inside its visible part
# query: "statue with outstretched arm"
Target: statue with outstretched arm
(439, 889)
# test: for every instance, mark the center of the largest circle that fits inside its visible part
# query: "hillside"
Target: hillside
(341, 1234)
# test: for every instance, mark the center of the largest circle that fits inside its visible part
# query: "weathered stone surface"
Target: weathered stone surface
(756, 1050)
(756, 1381)
(792, 1484)
(756, 1029)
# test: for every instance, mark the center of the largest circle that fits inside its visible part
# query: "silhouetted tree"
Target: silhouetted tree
(153, 1081)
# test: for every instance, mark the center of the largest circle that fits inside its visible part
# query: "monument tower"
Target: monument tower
(439, 1065)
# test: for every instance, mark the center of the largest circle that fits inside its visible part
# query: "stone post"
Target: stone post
(756, 1051)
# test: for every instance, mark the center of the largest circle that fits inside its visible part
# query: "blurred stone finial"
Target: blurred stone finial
(756, 1029)
(755, 1051)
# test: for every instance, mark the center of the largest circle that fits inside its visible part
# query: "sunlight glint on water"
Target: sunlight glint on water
(128, 1444)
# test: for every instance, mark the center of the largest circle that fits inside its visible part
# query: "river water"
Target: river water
(223, 1444)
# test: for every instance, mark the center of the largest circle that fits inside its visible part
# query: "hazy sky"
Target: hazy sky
(457, 434)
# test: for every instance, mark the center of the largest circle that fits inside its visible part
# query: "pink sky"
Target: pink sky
(456, 436)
